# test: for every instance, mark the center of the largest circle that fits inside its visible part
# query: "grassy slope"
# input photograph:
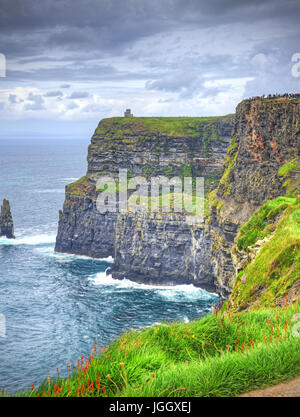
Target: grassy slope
(222, 354)
(275, 229)
(269, 247)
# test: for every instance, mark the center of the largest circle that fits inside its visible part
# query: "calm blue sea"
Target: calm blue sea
(55, 306)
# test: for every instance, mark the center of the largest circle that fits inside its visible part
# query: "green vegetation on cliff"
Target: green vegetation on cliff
(231, 156)
(117, 127)
(290, 174)
(268, 253)
(80, 187)
(249, 343)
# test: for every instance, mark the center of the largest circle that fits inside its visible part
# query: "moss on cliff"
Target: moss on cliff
(80, 187)
(290, 174)
(231, 156)
(289, 167)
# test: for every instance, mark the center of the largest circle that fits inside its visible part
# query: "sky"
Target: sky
(70, 63)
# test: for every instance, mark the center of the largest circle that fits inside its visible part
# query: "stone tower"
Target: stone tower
(128, 113)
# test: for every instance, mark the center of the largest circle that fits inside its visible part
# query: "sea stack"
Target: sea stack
(6, 221)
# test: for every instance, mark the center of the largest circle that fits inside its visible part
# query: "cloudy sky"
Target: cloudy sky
(70, 63)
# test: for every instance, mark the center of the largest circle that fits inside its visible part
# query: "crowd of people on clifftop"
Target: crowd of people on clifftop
(277, 95)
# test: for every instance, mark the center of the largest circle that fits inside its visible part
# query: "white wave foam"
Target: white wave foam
(51, 190)
(70, 256)
(171, 293)
(68, 179)
(29, 240)
(109, 259)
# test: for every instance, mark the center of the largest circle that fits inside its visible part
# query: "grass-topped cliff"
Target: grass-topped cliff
(262, 163)
(225, 353)
(117, 127)
(147, 147)
(250, 247)
(152, 146)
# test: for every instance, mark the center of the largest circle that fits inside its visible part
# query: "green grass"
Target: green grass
(221, 354)
(261, 223)
(288, 174)
(276, 264)
(168, 126)
(289, 167)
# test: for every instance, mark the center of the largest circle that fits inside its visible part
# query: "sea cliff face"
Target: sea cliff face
(164, 248)
(147, 147)
(157, 248)
(266, 136)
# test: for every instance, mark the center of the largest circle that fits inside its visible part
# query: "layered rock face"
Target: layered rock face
(266, 136)
(165, 248)
(159, 146)
(6, 221)
(147, 147)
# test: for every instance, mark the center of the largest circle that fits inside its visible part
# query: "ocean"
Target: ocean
(55, 306)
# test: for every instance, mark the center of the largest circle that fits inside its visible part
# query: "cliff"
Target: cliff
(159, 248)
(260, 165)
(266, 256)
(6, 221)
(148, 147)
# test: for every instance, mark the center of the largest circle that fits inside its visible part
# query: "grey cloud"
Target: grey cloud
(62, 41)
(92, 107)
(79, 94)
(13, 99)
(36, 102)
(72, 106)
(107, 26)
(76, 71)
(53, 94)
(190, 79)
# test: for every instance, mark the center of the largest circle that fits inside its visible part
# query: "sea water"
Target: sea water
(54, 306)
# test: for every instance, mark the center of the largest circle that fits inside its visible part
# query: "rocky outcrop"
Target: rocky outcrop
(147, 147)
(82, 229)
(266, 136)
(6, 221)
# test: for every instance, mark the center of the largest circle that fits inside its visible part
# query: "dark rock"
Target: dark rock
(158, 248)
(6, 221)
